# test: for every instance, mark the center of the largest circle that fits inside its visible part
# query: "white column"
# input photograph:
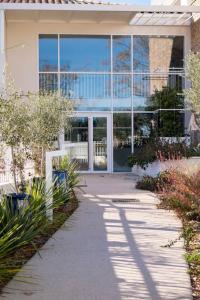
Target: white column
(90, 140)
(2, 49)
(49, 182)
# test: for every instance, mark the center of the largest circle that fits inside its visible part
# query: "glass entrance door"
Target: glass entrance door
(91, 146)
(99, 129)
(78, 135)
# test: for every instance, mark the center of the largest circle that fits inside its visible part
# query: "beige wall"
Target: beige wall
(22, 62)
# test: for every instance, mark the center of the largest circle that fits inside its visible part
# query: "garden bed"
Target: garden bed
(153, 169)
(22, 255)
(181, 192)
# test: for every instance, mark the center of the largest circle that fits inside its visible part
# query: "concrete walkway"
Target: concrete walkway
(109, 250)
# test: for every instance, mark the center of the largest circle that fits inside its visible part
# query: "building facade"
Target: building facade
(110, 60)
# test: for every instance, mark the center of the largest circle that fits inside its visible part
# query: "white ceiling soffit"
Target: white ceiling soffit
(140, 15)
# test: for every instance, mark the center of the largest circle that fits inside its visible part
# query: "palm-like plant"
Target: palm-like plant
(20, 227)
(71, 167)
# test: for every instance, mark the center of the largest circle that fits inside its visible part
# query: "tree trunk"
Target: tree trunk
(42, 162)
(14, 169)
(58, 142)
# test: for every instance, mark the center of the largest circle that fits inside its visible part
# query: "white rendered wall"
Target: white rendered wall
(2, 49)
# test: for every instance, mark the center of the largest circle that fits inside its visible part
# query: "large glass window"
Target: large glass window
(121, 141)
(144, 125)
(121, 53)
(170, 123)
(144, 128)
(78, 134)
(48, 53)
(100, 143)
(92, 92)
(48, 82)
(148, 88)
(122, 92)
(154, 54)
(141, 67)
(140, 53)
(85, 53)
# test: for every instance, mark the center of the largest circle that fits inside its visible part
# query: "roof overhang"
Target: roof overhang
(102, 7)
(136, 14)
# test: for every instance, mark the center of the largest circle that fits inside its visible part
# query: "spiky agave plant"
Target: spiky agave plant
(72, 170)
(19, 227)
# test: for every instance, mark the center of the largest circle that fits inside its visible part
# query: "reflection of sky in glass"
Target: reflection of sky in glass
(86, 86)
(121, 53)
(85, 53)
(93, 54)
(141, 53)
(48, 53)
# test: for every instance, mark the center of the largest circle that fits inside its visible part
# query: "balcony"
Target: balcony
(110, 91)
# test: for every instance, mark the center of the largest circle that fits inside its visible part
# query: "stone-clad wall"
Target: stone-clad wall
(195, 31)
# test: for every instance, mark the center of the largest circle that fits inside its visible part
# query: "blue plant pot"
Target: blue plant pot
(60, 178)
(17, 200)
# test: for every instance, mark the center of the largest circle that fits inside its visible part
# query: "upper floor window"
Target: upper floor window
(102, 72)
(157, 53)
(48, 53)
(85, 53)
(121, 53)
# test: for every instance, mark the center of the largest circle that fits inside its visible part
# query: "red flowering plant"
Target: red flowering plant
(182, 194)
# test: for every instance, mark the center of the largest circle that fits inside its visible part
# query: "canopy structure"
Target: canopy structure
(100, 12)
(162, 18)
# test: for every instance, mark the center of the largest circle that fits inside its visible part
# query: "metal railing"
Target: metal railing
(6, 175)
(94, 86)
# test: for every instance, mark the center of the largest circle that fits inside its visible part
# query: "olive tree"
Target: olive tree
(193, 74)
(50, 114)
(30, 125)
(14, 128)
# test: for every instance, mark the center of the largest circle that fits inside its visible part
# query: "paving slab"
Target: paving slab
(111, 248)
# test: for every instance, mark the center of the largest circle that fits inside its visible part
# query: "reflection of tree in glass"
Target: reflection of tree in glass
(68, 83)
(122, 63)
(122, 120)
(122, 136)
(122, 128)
(141, 53)
(121, 53)
(47, 67)
(144, 125)
(48, 82)
(168, 122)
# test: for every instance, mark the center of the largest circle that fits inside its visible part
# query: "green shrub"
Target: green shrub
(144, 154)
(150, 150)
(193, 257)
(153, 183)
(147, 183)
